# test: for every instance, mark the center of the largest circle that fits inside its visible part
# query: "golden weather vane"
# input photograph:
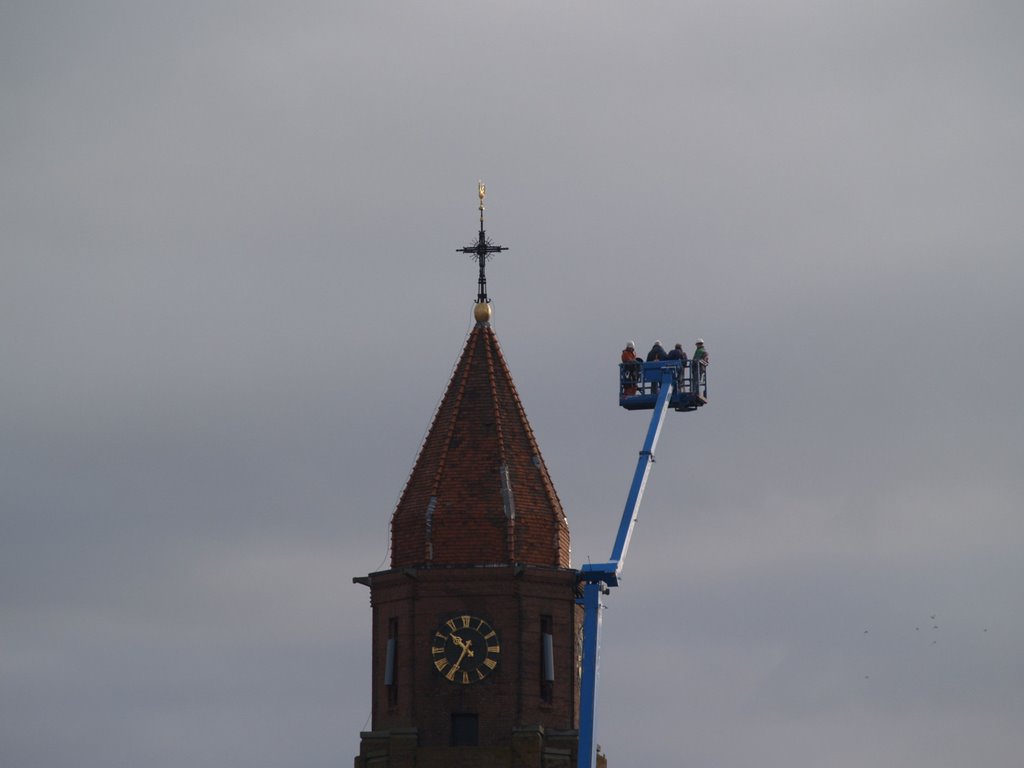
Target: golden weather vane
(482, 189)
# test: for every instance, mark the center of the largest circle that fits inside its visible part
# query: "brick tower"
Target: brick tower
(475, 625)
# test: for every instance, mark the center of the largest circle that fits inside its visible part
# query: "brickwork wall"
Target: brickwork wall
(512, 600)
(530, 748)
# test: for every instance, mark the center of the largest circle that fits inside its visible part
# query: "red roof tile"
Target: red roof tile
(479, 493)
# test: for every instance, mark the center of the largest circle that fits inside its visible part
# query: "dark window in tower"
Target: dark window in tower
(547, 660)
(390, 663)
(465, 729)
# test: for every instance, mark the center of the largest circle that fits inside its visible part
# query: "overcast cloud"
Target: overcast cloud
(230, 301)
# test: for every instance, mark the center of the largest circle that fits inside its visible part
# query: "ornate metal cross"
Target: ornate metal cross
(482, 250)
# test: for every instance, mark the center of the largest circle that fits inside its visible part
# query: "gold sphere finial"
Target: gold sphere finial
(482, 312)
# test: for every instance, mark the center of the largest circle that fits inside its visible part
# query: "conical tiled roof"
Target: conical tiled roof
(479, 493)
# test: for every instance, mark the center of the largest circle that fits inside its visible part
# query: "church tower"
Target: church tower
(476, 627)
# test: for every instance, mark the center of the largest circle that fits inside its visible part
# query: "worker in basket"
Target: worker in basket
(701, 358)
(630, 370)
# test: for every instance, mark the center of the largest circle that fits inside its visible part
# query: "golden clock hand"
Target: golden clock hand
(456, 665)
(465, 645)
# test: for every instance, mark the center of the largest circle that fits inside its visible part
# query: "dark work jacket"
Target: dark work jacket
(657, 353)
(676, 354)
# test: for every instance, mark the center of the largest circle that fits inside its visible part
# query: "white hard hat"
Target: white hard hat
(700, 341)
(630, 345)
(658, 342)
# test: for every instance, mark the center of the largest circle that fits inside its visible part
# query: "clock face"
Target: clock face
(465, 649)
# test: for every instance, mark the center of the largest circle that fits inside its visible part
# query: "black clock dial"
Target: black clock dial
(465, 649)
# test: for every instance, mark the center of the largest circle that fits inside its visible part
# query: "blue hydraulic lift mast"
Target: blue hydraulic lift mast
(600, 577)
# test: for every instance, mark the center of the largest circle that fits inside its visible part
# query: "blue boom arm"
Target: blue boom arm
(600, 577)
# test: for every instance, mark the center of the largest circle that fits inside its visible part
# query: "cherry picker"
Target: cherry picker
(655, 386)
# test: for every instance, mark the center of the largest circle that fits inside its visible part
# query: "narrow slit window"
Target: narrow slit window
(547, 660)
(391, 663)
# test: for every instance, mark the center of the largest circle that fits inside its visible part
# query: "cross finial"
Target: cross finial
(482, 249)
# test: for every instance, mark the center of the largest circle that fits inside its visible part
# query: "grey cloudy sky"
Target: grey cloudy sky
(230, 302)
